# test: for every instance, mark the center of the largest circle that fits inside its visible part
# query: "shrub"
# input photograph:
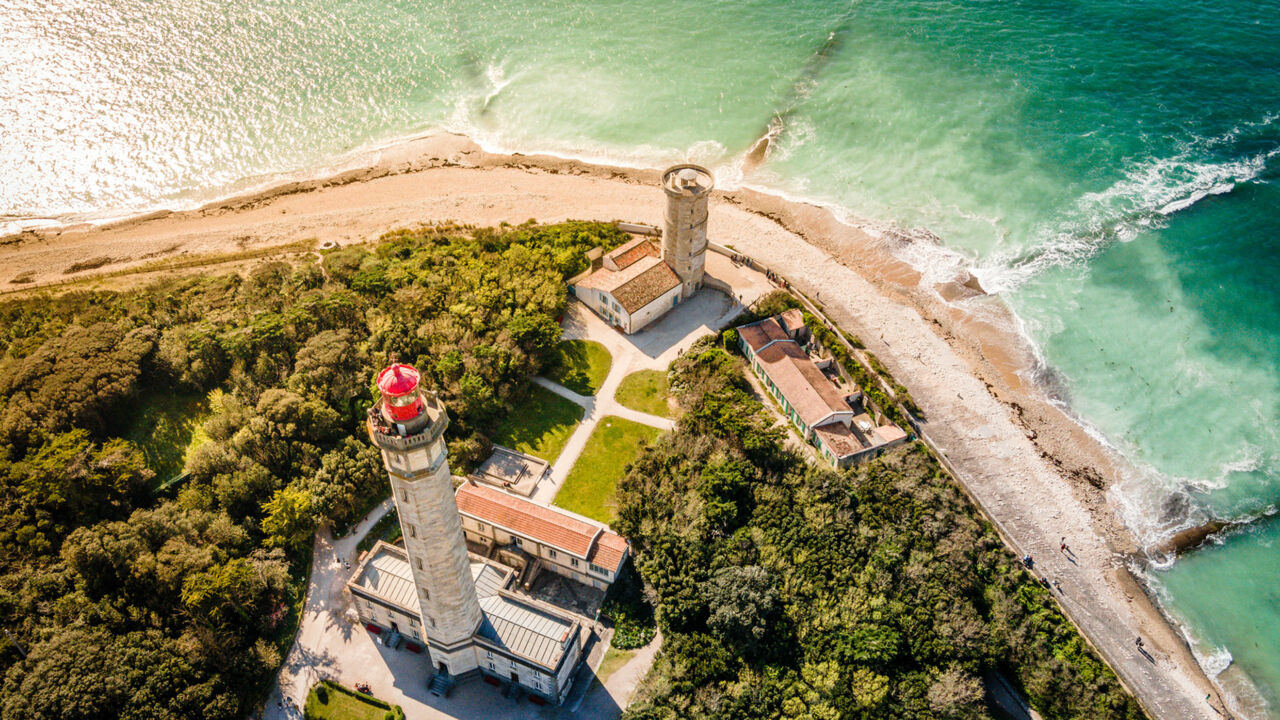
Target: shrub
(729, 339)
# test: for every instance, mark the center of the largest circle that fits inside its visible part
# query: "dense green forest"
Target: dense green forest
(131, 603)
(788, 590)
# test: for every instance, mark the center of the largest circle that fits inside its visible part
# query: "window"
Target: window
(537, 686)
(489, 654)
(426, 594)
(413, 621)
(419, 561)
(597, 569)
(413, 531)
(404, 495)
(573, 562)
(551, 553)
(517, 541)
(480, 526)
(431, 621)
(416, 636)
(493, 667)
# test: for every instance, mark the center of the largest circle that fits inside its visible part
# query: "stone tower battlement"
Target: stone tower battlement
(684, 233)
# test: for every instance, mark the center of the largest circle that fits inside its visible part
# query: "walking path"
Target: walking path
(997, 463)
(651, 349)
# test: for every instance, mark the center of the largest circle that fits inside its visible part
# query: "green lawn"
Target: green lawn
(613, 660)
(646, 391)
(589, 488)
(580, 365)
(540, 425)
(343, 704)
(166, 428)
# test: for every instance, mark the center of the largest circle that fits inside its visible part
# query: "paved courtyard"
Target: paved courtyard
(332, 646)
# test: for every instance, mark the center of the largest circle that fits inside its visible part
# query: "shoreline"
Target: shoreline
(443, 177)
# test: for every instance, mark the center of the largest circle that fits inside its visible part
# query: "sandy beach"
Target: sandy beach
(1037, 471)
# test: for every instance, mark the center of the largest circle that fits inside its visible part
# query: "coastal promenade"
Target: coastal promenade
(1001, 469)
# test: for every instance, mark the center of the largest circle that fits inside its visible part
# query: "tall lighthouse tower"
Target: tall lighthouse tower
(684, 234)
(408, 424)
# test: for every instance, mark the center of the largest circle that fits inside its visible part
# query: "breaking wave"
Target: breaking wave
(1150, 192)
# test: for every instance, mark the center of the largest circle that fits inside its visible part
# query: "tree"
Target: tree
(331, 367)
(240, 591)
(68, 481)
(88, 674)
(288, 521)
(742, 602)
(284, 431)
(73, 379)
(349, 477)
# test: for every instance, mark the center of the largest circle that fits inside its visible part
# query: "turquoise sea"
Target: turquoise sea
(1109, 168)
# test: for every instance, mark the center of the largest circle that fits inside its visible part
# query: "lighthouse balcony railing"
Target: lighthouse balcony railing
(387, 435)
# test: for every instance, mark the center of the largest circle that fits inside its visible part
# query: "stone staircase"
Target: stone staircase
(441, 684)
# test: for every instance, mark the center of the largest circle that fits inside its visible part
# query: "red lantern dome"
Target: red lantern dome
(401, 400)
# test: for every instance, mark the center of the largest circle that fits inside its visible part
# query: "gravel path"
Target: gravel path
(1002, 468)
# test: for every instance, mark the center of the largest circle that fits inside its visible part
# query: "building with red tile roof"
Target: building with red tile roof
(630, 286)
(567, 544)
(824, 414)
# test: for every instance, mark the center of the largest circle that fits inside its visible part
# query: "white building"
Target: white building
(568, 545)
(825, 415)
(639, 282)
(519, 640)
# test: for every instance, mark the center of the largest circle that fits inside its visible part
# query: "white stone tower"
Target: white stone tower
(408, 424)
(684, 236)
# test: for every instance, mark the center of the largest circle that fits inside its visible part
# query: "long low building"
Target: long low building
(566, 544)
(520, 640)
(828, 418)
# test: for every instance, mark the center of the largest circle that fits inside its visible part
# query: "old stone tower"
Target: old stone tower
(684, 234)
(408, 425)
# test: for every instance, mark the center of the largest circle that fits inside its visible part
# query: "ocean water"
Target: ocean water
(1109, 169)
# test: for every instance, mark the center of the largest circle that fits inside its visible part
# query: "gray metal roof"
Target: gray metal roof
(488, 578)
(524, 630)
(386, 575)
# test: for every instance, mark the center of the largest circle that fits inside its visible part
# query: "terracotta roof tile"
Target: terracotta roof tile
(757, 335)
(609, 550)
(804, 386)
(646, 287)
(632, 251)
(541, 523)
(840, 439)
(792, 320)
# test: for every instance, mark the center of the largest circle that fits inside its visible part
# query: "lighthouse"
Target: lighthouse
(407, 424)
(684, 233)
